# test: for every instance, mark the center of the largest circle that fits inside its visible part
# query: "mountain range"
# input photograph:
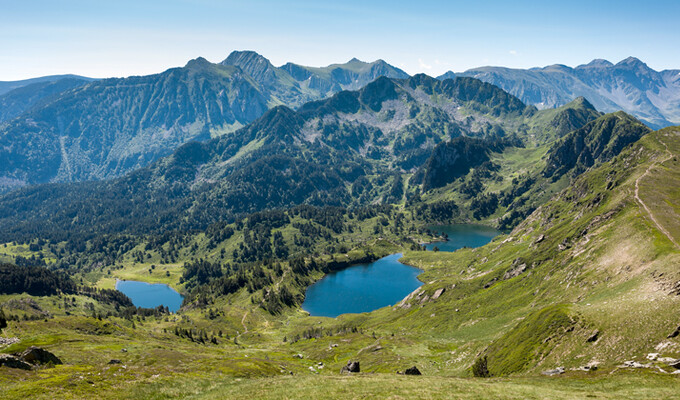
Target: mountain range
(69, 128)
(629, 85)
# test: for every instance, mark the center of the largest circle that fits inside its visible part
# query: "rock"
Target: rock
(300, 356)
(593, 337)
(539, 239)
(123, 350)
(412, 371)
(490, 283)
(588, 367)
(7, 341)
(37, 355)
(514, 272)
(633, 364)
(351, 367)
(10, 361)
(115, 361)
(675, 333)
(652, 356)
(553, 372)
(675, 364)
(438, 293)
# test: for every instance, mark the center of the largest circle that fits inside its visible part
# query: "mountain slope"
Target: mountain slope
(349, 149)
(629, 85)
(588, 279)
(56, 132)
(19, 100)
(111, 126)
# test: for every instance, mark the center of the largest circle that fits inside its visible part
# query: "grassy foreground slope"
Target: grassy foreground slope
(589, 279)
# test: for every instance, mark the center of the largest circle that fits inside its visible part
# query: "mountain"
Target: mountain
(588, 279)
(19, 100)
(296, 84)
(112, 126)
(65, 130)
(6, 86)
(378, 144)
(629, 85)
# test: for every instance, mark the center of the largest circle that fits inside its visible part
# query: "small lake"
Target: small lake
(462, 235)
(362, 288)
(150, 295)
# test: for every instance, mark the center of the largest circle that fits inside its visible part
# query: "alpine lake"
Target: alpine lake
(367, 287)
(355, 289)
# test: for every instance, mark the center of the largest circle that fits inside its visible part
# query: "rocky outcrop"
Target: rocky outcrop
(412, 371)
(37, 355)
(351, 367)
(10, 361)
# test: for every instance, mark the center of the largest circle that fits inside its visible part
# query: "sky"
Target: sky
(118, 38)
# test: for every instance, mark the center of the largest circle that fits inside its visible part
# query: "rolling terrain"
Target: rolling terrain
(587, 280)
(578, 298)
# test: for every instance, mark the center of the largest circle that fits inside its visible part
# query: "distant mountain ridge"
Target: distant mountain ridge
(630, 85)
(6, 86)
(60, 129)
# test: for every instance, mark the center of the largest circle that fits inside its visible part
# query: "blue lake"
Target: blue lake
(462, 235)
(150, 295)
(362, 288)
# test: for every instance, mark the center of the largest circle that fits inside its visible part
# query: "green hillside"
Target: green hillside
(587, 280)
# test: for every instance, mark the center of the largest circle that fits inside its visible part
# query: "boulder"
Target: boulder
(438, 293)
(675, 333)
(37, 355)
(412, 371)
(553, 372)
(10, 361)
(115, 361)
(351, 367)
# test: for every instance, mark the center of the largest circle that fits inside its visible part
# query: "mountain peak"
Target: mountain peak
(252, 63)
(597, 63)
(238, 57)
(580, 102)
(355, 60)
(199, 62)
(632, 62)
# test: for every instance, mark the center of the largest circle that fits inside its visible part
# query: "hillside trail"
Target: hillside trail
(243, 322)
(245, 314)
(642, 203)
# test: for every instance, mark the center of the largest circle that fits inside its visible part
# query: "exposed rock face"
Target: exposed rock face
(10, 361)
(412, 371)
(351, 367)
(36, 355)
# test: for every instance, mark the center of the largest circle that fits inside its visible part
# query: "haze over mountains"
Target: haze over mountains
(629, 85)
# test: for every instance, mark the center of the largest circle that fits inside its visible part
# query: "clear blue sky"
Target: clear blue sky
(122, 37)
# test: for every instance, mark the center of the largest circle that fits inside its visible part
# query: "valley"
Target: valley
(560, 279)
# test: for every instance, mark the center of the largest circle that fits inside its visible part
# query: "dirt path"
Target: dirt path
(243, 322)
(642, 203)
